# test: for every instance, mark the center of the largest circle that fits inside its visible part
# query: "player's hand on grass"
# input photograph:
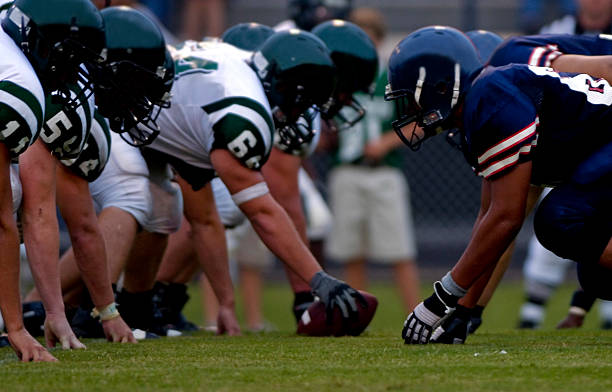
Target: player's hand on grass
(57, 330)
(227, 323)
(336, 293)
(116, 330)
(27, 348)
(428, 315)
(574, 318)
(454, 329)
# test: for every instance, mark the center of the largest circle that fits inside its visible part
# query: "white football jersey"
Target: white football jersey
(21, 97)
(217, 102)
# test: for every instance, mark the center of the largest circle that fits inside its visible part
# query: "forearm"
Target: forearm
(481, 292)
(77, 209)
(90, 256)
(597, 66)
(292, 204)
(209, 242)
(281, 174)
(276, 230)
(41, 237)
(9, 283)
(489, 241)
(39, 221)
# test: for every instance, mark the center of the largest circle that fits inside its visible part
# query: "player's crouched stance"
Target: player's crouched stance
(221, 124)
(512, 134)
(38, 52)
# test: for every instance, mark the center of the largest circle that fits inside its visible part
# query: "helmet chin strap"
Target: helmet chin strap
(419, 84)
(457, 85)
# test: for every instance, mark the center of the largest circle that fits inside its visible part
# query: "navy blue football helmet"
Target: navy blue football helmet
(429, 73)
(485, 42)
(309, 13)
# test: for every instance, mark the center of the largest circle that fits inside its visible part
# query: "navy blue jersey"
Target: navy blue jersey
(541, 50)
(517, 113)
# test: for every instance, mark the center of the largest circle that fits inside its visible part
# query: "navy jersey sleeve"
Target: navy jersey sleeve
(506, 138)
(524, 50)
(542, 50)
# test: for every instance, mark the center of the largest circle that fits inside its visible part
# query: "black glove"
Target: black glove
(455, 328)
(428, 315)
(333, 292)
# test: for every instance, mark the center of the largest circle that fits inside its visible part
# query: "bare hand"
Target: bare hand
(116, 330)
(227, 322)
(27, 348)
(57, 330)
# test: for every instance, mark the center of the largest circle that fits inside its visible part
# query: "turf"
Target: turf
(497, 358)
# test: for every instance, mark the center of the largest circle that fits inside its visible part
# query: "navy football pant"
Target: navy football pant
(574, 220)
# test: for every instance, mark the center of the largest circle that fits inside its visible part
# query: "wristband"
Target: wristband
(577, 311)
(107, 313)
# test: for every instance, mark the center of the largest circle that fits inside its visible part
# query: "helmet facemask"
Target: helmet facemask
(131, 97)
(341, 114)
(58, 53)
(291, 95)
(292, 136)
(356, 73)
(430, 106)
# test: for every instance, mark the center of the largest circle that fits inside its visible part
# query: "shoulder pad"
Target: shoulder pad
(65, 130)
(244, 127)
(96, 150)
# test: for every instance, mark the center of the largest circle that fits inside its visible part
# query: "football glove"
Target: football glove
(455, 328)
(428, 315)
(333, 292)
(476, 318)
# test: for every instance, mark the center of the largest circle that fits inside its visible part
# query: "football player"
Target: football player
(507, 120)
(226, 126)
(356, 59)
(559, 52)
(130, 89)
(179, 264)
(44, 45)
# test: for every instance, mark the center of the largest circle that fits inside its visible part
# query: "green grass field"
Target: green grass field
(497, 358)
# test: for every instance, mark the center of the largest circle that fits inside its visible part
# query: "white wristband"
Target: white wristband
(107, 313)
(577, 311)
(250, 193)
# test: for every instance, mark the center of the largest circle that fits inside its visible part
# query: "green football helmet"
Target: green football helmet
(58, 37)
(355, 57)
(134, 83)
(247, 36)
(297, 72)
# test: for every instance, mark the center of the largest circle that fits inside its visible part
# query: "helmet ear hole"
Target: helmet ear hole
(441, 87)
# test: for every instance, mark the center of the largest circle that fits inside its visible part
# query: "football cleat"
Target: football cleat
(140, 312)
(170, 299)
(34, 317)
